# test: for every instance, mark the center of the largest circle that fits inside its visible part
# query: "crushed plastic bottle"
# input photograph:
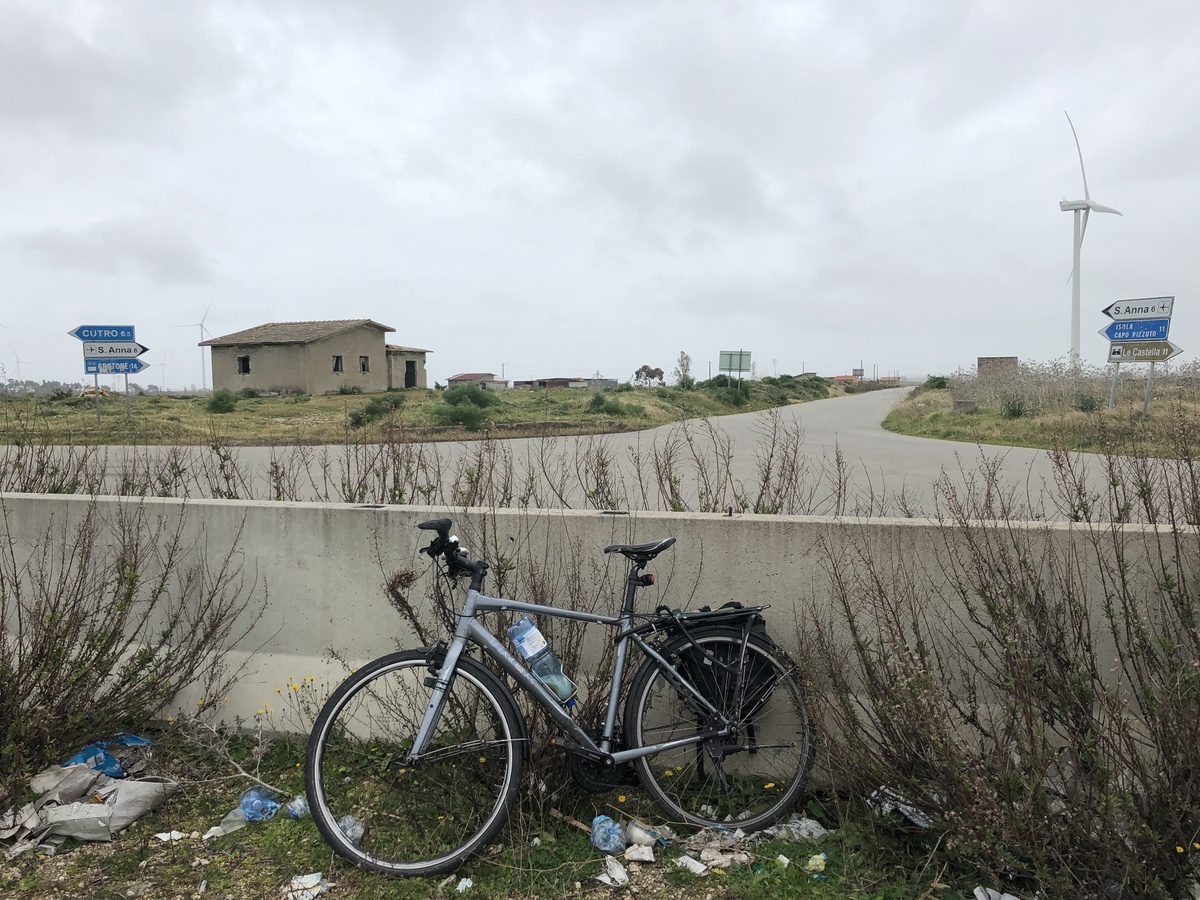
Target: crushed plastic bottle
(297, 807)
(532, 646)
(258, 804)
(352, 829)
(607, 835)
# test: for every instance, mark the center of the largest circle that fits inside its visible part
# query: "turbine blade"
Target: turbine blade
(1100, 208)
(1083, 225)
(210, 303)
(1083, 171)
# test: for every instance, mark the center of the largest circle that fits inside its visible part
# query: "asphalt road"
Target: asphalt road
(826, 457)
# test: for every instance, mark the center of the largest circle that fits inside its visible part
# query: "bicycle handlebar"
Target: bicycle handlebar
(446, 546)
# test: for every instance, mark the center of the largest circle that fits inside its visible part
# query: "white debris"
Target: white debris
(614, 874)
(692, 865)
(639, 853)
(306, 887)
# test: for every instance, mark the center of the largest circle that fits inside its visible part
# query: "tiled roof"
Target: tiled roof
(396, 348)
(474, 376)
(290, 332)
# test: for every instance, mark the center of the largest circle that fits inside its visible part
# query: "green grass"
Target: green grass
(931, 414)
(257, 860)
(418, 414)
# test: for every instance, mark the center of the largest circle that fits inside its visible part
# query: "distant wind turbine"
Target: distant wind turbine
(203, 331)
(20, 362)
(162, 373)
(1081, 208)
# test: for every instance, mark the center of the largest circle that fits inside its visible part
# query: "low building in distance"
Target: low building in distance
(315, 358)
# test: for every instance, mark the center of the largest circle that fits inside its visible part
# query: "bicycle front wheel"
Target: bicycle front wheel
(385, 815)
(749, 779)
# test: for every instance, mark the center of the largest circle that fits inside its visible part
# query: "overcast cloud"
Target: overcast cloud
(548, 188)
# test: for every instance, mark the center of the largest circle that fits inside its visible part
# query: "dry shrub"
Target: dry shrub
(1036, 690)
(103, 620)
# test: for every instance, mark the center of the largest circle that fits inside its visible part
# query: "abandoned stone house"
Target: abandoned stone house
(314, 358)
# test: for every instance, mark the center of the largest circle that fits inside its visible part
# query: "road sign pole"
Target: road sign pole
(1149, 381)
(97, 399)
(1112, 392)
(127, 396)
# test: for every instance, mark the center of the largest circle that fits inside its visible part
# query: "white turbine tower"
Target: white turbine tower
(1081, 208)
(20, 362)
(163, 368)
(203, 331)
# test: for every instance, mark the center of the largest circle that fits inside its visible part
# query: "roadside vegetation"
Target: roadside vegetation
(251, 418)
(1053, 406)
(1034, 696)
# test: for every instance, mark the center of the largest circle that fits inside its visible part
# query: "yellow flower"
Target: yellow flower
(669, 772)
(1178, 849)
(295, 687)
(483, 759)
(621, 799)
(768, 785)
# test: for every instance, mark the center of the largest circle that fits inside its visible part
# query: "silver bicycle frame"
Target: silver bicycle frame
(469, 629)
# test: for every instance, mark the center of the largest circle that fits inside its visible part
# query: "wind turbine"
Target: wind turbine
(1081, 208)
(162, 373)
(19, 362)
(203, 331)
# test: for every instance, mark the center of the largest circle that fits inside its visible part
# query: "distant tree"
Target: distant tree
(646, 376)
(683, 371)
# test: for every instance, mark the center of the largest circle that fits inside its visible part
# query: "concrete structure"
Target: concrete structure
(485, 380)
(996, 368)
(406, 367)
(324, 567)
(551, 383)
(314, 358)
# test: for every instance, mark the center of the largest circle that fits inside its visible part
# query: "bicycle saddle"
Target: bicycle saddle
(641, 553)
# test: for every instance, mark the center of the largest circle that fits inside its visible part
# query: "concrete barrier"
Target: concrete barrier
(324, 568)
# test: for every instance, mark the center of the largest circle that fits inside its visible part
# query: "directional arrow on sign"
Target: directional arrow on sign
(1137, 330)
(113, 350)
(1146, 308)
(1143, 351)
(102, 332)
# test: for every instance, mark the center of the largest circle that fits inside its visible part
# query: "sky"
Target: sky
(537, 188)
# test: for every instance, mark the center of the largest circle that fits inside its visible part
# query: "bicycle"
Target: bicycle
(425, 748)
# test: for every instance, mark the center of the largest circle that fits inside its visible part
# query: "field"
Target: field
(418, 415)
(1054, 407)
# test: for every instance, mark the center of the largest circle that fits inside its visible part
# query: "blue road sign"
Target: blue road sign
(1126, 330)
(113, 366)
(103, 332)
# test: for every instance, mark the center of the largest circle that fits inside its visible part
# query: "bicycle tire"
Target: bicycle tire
(422, 820)
(758, 773)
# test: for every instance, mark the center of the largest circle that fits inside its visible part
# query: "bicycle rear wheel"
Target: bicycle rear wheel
(424, 819)
(749, 779)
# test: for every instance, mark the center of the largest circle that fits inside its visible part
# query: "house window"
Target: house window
(337, 365)
(243, 363)
(364, 365)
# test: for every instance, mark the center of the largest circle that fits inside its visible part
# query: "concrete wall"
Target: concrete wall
(324, 566)
(397, 361)
(272, 366)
